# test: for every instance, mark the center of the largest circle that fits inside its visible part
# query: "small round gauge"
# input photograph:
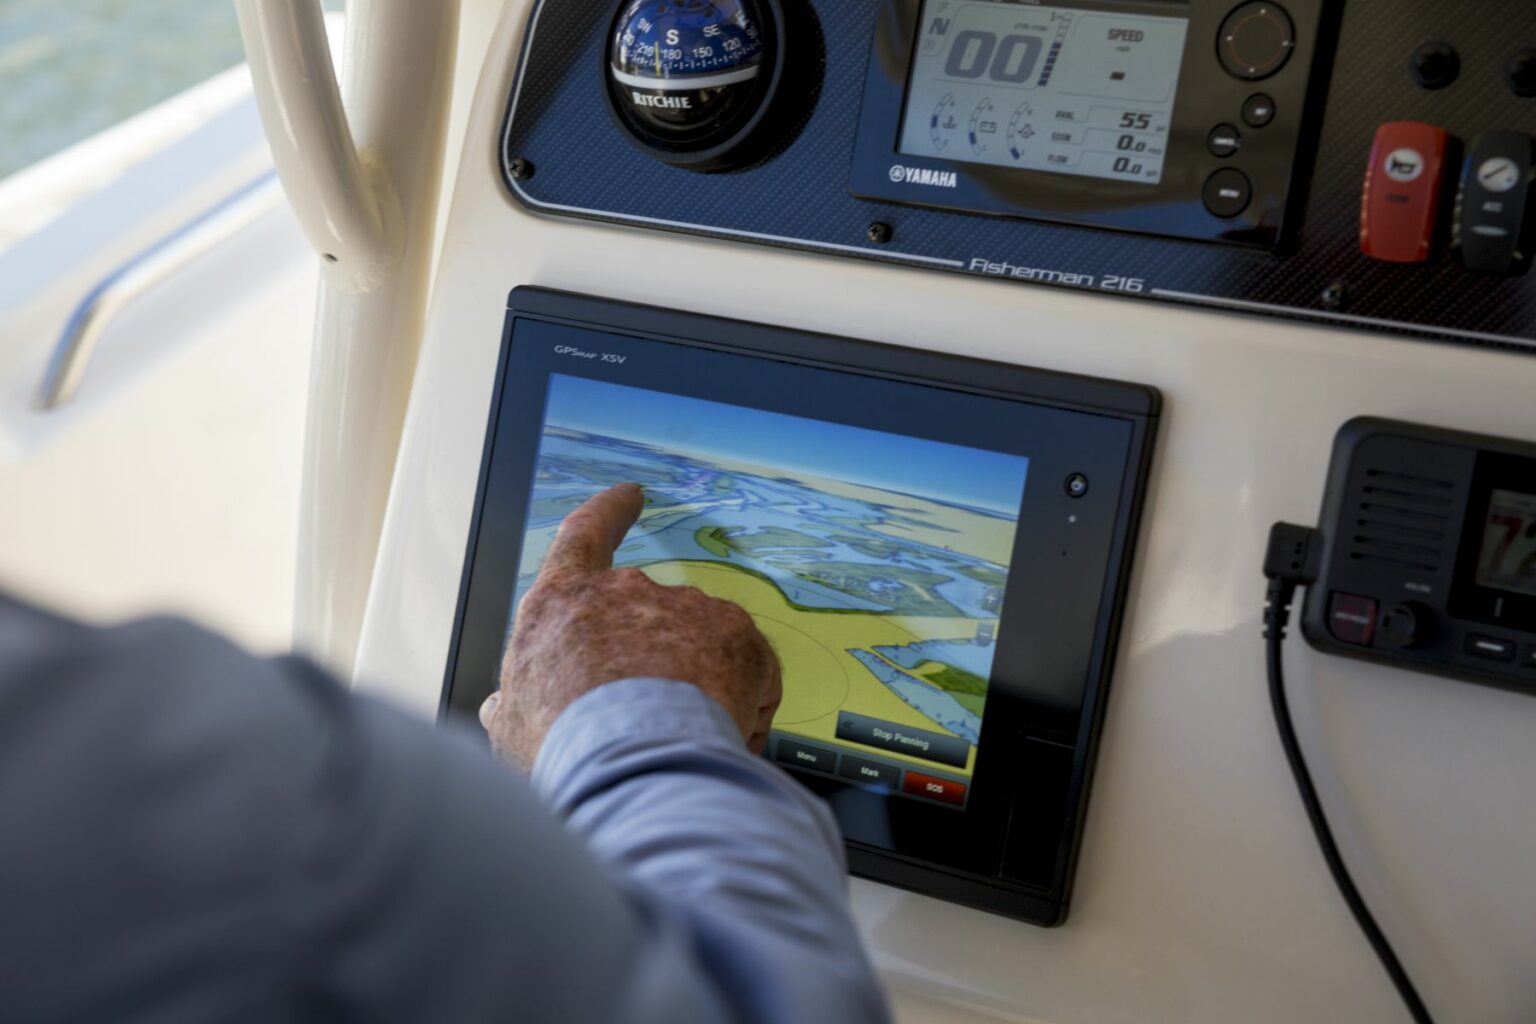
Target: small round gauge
(944, 123)
(692, 79)
(1021, 128)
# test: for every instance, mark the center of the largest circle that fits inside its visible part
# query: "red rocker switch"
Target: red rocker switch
(1402, 192)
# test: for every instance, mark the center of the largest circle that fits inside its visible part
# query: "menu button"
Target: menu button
(806, 755)
(1227, 192)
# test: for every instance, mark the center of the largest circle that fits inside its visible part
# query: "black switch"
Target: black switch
(1493, 205)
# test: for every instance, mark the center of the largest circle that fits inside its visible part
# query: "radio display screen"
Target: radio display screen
(1069, 90)
(874, 563)
(1507, 560)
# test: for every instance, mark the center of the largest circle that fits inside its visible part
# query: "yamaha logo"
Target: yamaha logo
(924, 176)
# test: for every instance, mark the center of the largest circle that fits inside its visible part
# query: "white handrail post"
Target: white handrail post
(364, 183)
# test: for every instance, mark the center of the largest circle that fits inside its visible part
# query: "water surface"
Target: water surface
(70, 68)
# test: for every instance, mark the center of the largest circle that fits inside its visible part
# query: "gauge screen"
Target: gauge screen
(1070, 90)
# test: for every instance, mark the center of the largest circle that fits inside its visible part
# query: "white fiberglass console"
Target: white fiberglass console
(1200, 895)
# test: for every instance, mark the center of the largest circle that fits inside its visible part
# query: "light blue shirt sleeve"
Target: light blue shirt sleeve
(192, 834)
(735, 857)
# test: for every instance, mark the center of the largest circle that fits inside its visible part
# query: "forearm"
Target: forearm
(715, 842)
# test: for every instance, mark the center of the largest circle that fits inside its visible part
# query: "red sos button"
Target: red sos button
(934, 788)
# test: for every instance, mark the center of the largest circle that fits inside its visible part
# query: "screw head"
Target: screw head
(880, 232)
(521, 169)
(1335, 295)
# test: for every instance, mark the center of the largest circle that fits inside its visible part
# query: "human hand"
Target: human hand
(584, 624)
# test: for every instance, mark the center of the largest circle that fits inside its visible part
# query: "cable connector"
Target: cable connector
(1294, 554)
(1293, 559)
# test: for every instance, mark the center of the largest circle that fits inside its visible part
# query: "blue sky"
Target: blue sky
(967, 476)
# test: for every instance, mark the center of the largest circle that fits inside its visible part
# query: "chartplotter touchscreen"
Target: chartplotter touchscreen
(935, 548)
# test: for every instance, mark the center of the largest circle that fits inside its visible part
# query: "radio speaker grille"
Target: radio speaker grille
(1403, 520)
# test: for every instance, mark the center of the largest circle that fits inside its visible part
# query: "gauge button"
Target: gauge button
(1227, 193)
(1256, 40)
(1258, 110)
(1224, 140)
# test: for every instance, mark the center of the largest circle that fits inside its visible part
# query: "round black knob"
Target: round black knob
(1520, 72)
(1407, 625)
(1434, 65)
(1256, 40)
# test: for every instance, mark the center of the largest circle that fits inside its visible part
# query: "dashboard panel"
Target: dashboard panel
(1289, 174)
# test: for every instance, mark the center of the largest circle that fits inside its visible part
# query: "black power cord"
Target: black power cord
(1291, 562)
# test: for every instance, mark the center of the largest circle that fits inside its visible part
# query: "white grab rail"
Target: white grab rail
(342, 197)
(72, 353)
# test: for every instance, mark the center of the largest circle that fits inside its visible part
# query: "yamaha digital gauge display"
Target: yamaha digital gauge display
(936, 549)
(1045, 88)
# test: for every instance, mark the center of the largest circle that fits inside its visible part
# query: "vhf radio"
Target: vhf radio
(1429, 553)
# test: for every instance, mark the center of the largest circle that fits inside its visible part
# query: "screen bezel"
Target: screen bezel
(1509, 609)
(1060, 703)
(1206, 97)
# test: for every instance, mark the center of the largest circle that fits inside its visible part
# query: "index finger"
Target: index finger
(590, 535)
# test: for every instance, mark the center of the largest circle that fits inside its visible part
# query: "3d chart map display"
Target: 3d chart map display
(874, 563)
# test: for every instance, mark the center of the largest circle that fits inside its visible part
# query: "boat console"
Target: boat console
(974, 346)
(1324, 155)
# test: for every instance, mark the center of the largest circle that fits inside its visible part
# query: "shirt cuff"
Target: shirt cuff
(625, 711)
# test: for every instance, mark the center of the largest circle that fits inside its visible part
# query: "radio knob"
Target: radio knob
(1407, 625)
(1256, 40)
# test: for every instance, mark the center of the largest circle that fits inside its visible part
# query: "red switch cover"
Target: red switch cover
(1403, 185)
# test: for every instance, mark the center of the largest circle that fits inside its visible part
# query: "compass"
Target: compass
(693, 80)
